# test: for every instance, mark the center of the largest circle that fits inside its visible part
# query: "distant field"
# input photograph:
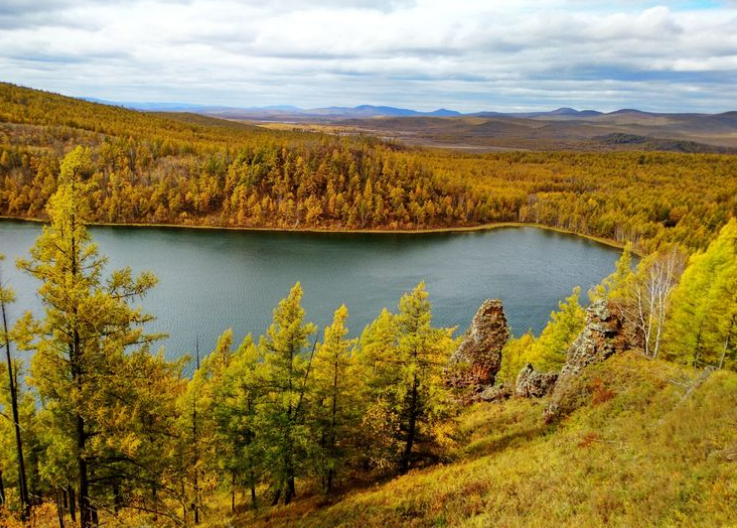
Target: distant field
(621, 131)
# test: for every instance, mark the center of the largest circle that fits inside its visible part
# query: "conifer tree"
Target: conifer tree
(7, 296)
(89, 325)
(700, 330)
(334, 406)
(421, 353)
(237, 397)
(287, 364)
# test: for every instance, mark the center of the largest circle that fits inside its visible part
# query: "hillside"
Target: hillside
(558, 130)
(594, 422)
(640, 452)
(193, 170)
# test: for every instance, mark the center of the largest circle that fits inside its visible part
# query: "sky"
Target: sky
(467, 55)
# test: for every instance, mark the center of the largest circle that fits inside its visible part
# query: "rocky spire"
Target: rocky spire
(479, 357)
(602, 337)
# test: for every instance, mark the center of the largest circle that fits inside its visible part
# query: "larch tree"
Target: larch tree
(7, 296)
(421, 353)
(237, 397)
(90, 324)
(376, 375)
(700, 329)
(287, 363)
(334, 407)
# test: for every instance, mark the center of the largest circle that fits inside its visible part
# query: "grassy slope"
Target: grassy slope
(636, 454)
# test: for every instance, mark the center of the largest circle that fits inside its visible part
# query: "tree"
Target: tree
(7, 296)
(237, 398)
(644, 299)
(89, 325)
(421, 353)
(286, 382)
(334, 408)
(700, 329)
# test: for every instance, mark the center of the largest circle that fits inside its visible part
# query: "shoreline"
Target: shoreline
(423, 231)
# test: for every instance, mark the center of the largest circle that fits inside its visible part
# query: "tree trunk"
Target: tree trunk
(412, 426)
(291, 493)
(254, 504)
(277, 496)
(85, 511)
(2, 489)
(727, 342)
(232, 492)
(117, 497)
(59, 508)
(195, 438)
(72, 505)
(13, 383)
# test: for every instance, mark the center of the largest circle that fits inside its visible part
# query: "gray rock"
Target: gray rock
(602, 337)
(495, 394)
(533, 384)
(479, 357)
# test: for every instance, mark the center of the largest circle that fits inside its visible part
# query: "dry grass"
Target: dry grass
(633, 457)
(637, 454)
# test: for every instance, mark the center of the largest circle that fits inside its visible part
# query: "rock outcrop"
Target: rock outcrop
(602, 337)
(496, 393)
(479, 357)
(534, 384)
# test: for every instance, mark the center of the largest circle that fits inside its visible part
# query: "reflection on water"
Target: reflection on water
(213, 280)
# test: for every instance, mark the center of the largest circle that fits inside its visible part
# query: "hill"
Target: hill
(563, 129)
(641, 451)
(189, 169)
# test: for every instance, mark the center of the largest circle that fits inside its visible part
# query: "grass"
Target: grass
(636, 454)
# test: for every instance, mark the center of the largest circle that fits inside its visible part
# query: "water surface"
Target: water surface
(211, 280)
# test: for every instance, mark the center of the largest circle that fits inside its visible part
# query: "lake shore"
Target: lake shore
(378, 231)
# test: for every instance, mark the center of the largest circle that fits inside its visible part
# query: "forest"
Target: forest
(99, 428)
(196, 171)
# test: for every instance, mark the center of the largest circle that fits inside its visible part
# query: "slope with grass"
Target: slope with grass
(643, 450)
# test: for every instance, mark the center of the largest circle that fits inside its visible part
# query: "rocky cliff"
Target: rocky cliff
(602, 337)
(479, 357)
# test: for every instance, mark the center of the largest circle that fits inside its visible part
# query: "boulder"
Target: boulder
(534, 384)
(479, 357)
(496, 393)
(602, 337)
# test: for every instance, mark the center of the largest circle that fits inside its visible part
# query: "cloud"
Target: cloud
(468, 54)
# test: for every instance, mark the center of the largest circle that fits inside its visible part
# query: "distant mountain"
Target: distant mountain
(334, 112)
(560, 112)
(273, 111)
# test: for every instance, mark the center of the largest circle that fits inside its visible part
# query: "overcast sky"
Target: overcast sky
(467, 55)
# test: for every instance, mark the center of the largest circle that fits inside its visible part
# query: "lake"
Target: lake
(211, 280)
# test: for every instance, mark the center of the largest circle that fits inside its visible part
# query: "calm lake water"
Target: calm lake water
(213, 280)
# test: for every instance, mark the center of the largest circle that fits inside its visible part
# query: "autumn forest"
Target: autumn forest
(308, 426)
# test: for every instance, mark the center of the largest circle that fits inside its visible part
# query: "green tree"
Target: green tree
(286, 383)
(237, 397)
(7, 296)
(701, 327)
(421, 354)
(334, 406)
(90, 324)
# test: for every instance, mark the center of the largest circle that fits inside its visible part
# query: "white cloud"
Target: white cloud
(467, 54)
